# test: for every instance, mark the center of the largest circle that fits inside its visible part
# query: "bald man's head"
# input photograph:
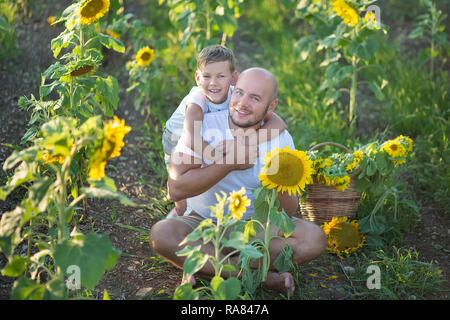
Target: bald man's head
(262, 74)
(253, 98)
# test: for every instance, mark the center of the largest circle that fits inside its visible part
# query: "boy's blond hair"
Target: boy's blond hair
(216, 53)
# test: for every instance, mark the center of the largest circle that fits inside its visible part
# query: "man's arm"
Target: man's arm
(187, 177)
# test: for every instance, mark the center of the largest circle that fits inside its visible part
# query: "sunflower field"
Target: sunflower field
(87, 87)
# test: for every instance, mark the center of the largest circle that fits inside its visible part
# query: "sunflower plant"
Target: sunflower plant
(142, 75)
(346, 32)
(44, 219)
(205, 22)
(74, 79)
(227, 231)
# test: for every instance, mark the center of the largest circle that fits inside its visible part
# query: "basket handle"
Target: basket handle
(330, 143)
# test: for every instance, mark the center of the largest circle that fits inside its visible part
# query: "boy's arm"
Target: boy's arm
(271, 121)
(192, 132)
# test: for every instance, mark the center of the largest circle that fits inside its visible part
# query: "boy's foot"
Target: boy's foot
(172, 214)
(282, 282)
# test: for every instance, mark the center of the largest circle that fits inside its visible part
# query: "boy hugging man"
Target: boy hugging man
(215, 76)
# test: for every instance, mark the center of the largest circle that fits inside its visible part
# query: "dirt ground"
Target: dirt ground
(138, 273)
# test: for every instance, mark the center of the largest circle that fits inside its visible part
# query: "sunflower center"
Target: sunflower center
(92, 8)
(345, 236)
(82, 70)
(145, 56)
(394, 147)
(290, 170)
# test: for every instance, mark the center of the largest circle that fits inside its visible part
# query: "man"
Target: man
(254, 96)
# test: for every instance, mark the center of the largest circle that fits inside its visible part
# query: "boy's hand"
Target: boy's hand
(237, 154)
(221, 150)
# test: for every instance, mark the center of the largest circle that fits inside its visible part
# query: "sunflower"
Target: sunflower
(51, 20)
(346, 12)
(394, 148)
(51, 159)
(357, 157)
(238, 203)
(406, 142)
(112, 143)
(286, 170)
(343, 236)
(92, 10)
(145, 56)
(369, 17)
(341, 183)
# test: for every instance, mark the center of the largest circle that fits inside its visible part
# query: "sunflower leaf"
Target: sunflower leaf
(282, 220)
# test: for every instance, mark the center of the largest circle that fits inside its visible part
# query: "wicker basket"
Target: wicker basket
(325, 202)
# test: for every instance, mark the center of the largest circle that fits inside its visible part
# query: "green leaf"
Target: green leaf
(228, 289)
(362, 184)
(10, 225)
(375, 88)
(15, 267)
(261, 209)
(371, 167)
(55, 290)
(111, 43)
(194, 262)
(282, 220)
(236, 240)
(39, 194)
(62, 41)
(93, 254)
(251, 252)
(283, 262)
(185, 292)
(188, 250)
(27, 289)
(107, 94)
(108, 194)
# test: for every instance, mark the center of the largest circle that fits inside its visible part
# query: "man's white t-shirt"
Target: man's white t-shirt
(215, 129)
(176, 121)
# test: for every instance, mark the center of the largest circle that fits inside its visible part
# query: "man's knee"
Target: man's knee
(164, 237)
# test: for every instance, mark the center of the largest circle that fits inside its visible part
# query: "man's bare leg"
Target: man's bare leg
(307, 241)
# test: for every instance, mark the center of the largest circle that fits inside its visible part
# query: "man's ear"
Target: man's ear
(272, 105)
(234, 78)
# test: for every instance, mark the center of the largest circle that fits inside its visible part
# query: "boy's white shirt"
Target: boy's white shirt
(196, 95)
(215, 129)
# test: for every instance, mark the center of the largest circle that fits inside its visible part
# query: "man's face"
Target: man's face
(215, 79)
(251, 100)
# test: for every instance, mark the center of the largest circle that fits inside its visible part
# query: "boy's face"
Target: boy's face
(215, 79)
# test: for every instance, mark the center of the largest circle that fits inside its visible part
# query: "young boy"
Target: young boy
(215, 78)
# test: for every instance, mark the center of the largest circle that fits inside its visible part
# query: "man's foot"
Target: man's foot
(190, 280)
(282, 282)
